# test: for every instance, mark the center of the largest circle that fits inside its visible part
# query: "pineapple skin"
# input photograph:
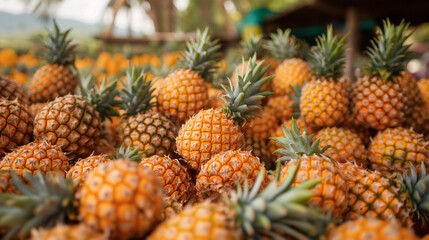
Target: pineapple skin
(206, 220)
(393, 149)
(259, 149)
(371, 228)
(324, 103)
(261, 127)
(121, 198)
(222, 172)
(291, 71)
(371, 194)
(81, 170)
(51, 81)
(378, 104)
(182, 94)
(152, 132)
(331, 194)
(346, 145)
(206, 134)
(71, 123)
(11, 90)
(33, 157)
(69, 232)
(16, 125)
(282, 106)
(176, 181)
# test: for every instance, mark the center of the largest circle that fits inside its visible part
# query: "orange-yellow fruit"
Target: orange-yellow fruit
(16, 125)
(331, 194)
(423, 85)
(11, 90)
(204, 220)
(324, 103)
(261, 127)
(36, 107)
(104, 146)
(182, 94)
(282, 107)
(393, 149)
(224, 170)
(51, 81)
(171, 208)
(346, 146)
(121, 198)
(152, 132)
(378, 104)
(71, 123)
(291, 71)
(215, 97)
(259, 149)
(207, 133)
(82, 168)
(33, 157)
(371, 229)
(176, 182)
(67, 232)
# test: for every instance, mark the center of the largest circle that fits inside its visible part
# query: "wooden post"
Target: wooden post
(352, 21)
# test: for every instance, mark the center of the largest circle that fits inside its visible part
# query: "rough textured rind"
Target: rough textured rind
(291, 71)
(11, 90)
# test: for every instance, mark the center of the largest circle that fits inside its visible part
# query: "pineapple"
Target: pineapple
(67, 232)
(175, 179)
(378, 99)
(261, 127)
(371, 229)
(49, 200)
(324, 99)
(247, 215)
(80, 171)
(216, 130)
(394, 149)
(11, 90)
(35, 108)
(259, 149)
(56, 78)
(423, 85)
(37, 156)
(225, 170)
(152, 132)
(121, 198)
(332, 193)
(345, 145)
(291, 71)
(74, 122)
(171, 208)
(286, 106)
(393, 197)
(16, 125)
(184, 92)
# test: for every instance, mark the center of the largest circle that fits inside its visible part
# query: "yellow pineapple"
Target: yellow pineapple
(259, 149)
(141, 127)
(247, 215)
(225, 170)
(184, 92)
(80, 171)
(16, 125)
(290, 71)
(423, 85)
(121, 198)
(216, 130)
(370, 229)
(67, 232)
(393, 149)
(55, 79)
(261, 127)
(324, 100)
(331, 194)
(286, 106)
(378, 100)
(11, 90)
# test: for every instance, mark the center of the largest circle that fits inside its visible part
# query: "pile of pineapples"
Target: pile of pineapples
(280, 150)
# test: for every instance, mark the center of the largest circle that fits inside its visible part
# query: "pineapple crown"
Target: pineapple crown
(296, 97)
(328, 56)
(252, 46)
(49, 199)
(242, 99)
(281, 46)
(417, 187)
(388, 52)
(102, 96)
(201, 55)
(279, 208)
(132, 154)
(59, 49)
(137, 94)
(295, 144)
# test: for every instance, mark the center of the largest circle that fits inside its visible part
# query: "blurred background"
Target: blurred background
(110, 33)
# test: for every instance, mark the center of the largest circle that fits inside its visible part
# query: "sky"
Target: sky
(91, 11)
